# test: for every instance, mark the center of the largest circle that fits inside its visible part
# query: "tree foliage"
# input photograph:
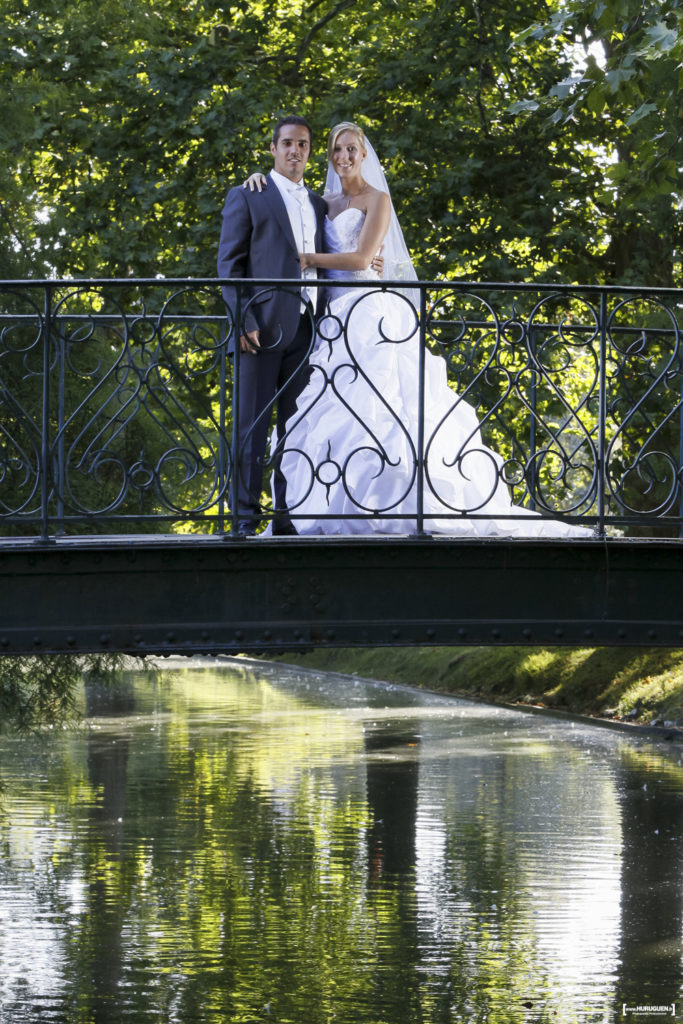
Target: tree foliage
(129, 119)
(624, 96)
(40, 692)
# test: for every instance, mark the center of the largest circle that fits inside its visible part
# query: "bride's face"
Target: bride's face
(348, 155)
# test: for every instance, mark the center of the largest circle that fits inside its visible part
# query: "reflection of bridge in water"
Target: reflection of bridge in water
(118, 460)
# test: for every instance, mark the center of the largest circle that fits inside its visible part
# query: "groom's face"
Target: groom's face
(292, 150)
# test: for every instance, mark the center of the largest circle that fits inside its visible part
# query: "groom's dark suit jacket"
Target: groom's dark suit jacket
(257, 241)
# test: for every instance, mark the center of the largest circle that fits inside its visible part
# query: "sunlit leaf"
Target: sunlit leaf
(643, 110)
(661, 36)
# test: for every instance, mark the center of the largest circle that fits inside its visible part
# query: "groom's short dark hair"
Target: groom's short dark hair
(292, 119)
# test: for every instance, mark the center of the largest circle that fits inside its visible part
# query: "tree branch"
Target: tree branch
(13, 231)
(320, 24)
(480, 70)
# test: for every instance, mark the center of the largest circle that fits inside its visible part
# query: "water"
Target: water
(229, 844)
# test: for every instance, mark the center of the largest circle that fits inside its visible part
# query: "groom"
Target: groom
(262, 235)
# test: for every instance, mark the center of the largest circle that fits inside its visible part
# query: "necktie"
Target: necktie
(300, 193)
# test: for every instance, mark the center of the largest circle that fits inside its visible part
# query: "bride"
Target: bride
(350, 452)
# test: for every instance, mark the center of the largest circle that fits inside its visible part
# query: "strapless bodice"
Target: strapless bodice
(341, 235)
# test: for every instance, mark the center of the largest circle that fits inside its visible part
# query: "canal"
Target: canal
(228, 843)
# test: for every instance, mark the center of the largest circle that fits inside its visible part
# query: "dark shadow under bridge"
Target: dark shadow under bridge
(118, 460)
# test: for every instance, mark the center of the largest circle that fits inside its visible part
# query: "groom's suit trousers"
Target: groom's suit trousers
(273, 375)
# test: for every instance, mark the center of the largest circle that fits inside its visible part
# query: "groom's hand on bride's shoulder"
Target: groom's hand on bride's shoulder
(256, 181)
(378, 261)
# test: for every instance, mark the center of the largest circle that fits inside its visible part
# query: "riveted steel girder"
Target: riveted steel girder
(207, 595)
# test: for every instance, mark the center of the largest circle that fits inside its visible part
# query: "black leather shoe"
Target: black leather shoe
(284, 528)
(246, 528)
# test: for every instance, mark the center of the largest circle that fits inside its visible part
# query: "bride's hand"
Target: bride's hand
(306, 260)
(256, 181)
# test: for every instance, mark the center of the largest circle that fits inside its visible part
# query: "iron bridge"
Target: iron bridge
(119, 457)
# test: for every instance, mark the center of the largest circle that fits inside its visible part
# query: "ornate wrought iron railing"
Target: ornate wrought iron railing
(117, 399)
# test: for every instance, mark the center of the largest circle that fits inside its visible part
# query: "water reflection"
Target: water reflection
(652, 907)
(223, 845)
(97, 943)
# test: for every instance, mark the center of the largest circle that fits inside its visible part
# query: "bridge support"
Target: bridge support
(187, 595)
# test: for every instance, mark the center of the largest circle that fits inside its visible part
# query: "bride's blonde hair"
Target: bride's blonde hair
(344, 126)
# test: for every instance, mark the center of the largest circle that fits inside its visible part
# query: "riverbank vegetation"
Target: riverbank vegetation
(643, 685)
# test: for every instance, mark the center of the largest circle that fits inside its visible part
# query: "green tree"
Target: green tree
(129, 120)
(624, 103)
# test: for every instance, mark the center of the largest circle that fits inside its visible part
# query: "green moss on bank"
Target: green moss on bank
(640, 684)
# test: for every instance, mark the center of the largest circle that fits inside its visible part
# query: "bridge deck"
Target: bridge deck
(188, 594)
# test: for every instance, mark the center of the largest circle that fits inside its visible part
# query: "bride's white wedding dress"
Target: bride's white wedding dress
(351, 449)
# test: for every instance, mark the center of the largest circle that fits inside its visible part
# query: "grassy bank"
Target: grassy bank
(643, 685)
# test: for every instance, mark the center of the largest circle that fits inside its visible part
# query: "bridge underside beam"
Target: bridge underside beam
(206, 595)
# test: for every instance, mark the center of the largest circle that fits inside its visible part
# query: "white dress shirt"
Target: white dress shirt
(302, 218)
